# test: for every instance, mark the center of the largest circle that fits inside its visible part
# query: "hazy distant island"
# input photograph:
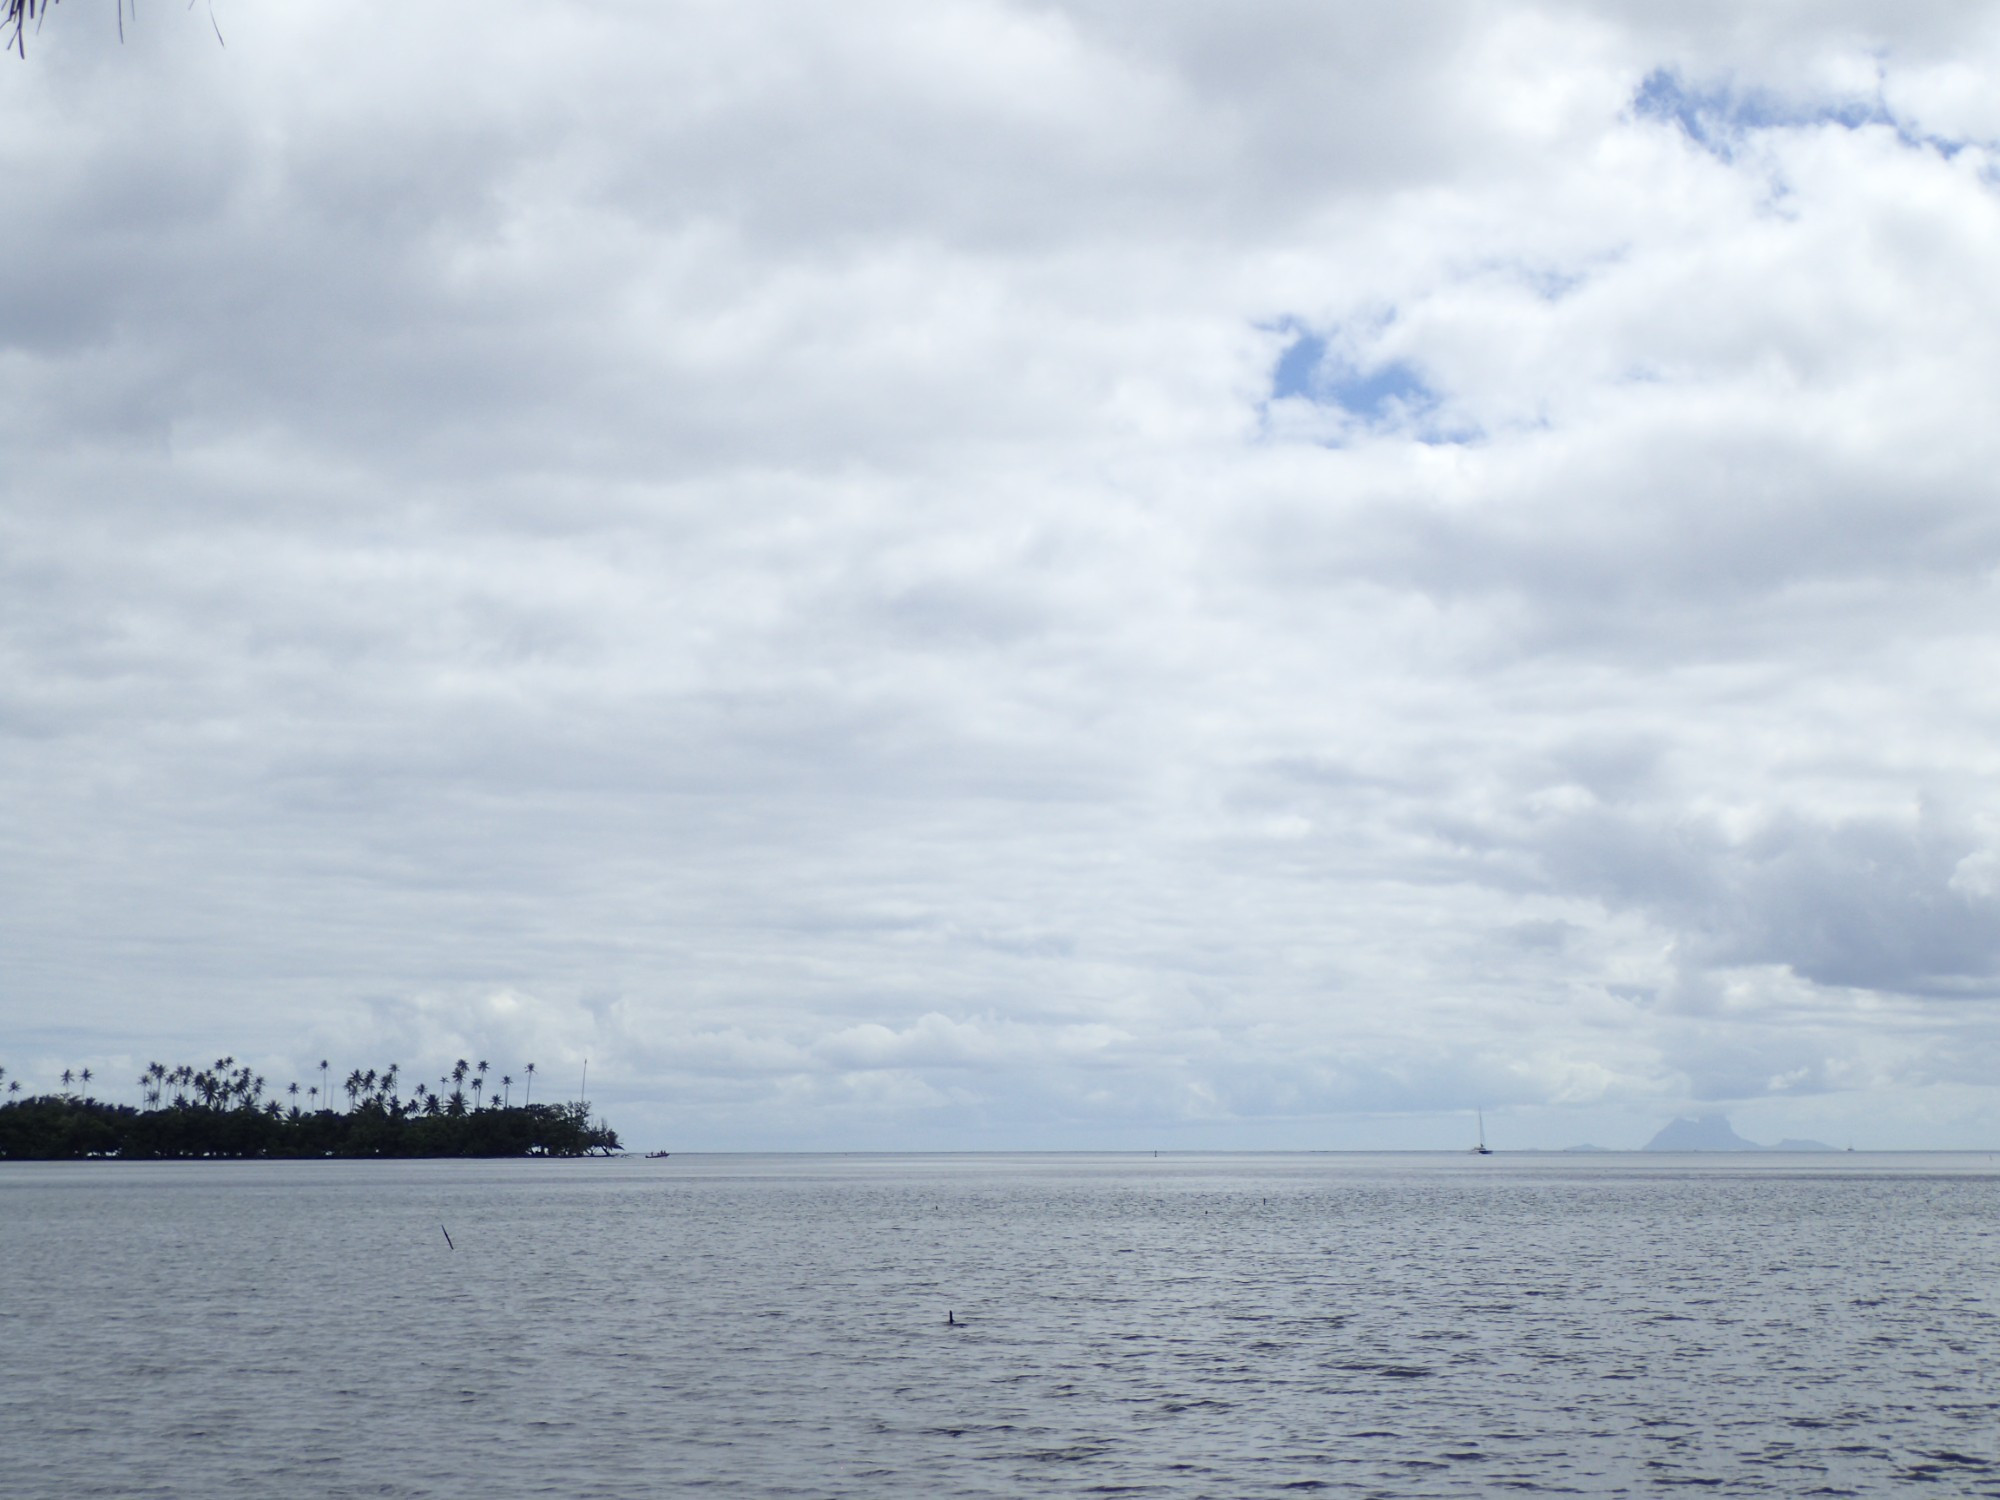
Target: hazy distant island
(1714, 1133)
(223, 1112)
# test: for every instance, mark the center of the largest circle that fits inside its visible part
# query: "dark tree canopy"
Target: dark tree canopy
(64, 1127)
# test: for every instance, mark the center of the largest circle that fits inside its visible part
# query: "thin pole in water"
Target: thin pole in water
(447, 1238)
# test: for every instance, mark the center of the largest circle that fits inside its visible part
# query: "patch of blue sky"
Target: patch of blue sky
(1718, 116)
(1390, 396)
(1297, 372)
(1387, 393)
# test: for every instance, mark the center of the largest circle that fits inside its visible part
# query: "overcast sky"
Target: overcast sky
(964, 575)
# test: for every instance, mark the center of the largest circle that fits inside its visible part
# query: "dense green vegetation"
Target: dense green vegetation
(222, 1111)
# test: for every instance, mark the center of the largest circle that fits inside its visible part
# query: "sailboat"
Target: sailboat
(1482, 1149)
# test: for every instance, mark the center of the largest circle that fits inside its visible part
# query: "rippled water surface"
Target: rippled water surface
(1186, 1326)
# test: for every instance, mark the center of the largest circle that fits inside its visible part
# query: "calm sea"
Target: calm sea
(1177, 1327)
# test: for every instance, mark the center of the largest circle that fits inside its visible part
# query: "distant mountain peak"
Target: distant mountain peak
(1703, 1133)
(1714, 1133)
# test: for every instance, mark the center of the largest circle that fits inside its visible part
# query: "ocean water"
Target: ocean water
(1124, 1325)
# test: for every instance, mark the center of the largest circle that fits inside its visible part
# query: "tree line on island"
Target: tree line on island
(224, 1111)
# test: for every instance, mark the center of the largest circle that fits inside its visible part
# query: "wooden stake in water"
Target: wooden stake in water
(447, 1238)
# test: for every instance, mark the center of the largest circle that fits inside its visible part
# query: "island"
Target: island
(222, 1111)
(1713, 1132)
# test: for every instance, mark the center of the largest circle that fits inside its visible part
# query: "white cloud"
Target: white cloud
(756, 546)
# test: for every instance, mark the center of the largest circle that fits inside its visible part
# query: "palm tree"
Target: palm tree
(528, 1086)
(85, 1076)
(325, 1092)
(21, 12)
(68, 1078)
(506, 1091)
(15, 18)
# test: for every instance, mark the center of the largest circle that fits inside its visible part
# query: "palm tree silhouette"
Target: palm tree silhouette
(528, 1085)
(229, 1109)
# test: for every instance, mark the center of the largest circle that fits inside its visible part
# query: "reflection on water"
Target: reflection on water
(1187, 1326)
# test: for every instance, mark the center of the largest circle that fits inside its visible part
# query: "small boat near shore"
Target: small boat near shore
(1482, 1149)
